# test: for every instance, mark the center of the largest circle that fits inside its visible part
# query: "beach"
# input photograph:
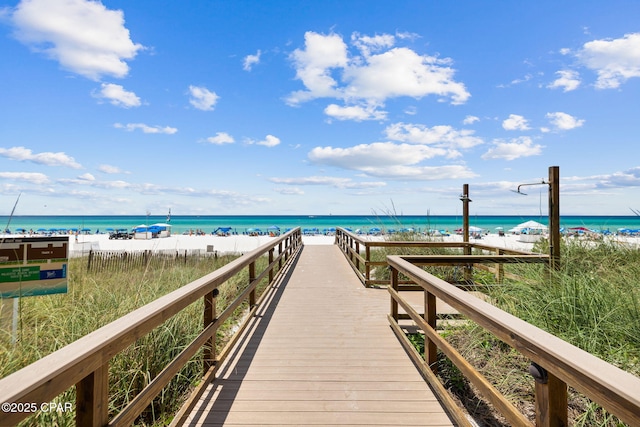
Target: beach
(246, 243)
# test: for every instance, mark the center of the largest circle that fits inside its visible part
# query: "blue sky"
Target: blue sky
(333, 107)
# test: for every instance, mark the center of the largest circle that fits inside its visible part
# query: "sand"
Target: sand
(243, 243)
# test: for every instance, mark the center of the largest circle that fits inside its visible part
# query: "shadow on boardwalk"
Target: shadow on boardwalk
(320, 352)
(229, 378)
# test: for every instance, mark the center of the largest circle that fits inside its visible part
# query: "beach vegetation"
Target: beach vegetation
(100, 296)
(592, 302)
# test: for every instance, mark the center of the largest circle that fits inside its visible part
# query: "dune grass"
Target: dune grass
(94, 299)
(592, 302)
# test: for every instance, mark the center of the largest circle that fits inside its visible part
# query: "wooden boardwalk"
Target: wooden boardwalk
(321, 352)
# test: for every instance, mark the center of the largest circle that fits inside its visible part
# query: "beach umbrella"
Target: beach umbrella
(579, 229)
(533, 225)
(529, 225)
(475, 229)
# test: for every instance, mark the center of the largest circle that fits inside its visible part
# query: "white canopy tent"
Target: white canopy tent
(529, 225)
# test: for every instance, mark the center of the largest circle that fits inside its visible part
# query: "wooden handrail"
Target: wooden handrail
(85, 362)
(351, 245)
(559, 362)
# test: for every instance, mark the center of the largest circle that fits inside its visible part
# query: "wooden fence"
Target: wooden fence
(108, 260)
(85, 362)
(555, 365)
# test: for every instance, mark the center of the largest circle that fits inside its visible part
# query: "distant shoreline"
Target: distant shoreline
(241, 223)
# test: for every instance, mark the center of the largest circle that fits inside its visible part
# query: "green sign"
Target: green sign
(33, 266)
(17, 274)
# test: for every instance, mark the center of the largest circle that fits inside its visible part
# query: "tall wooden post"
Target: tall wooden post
(465, 228)
(554, 217)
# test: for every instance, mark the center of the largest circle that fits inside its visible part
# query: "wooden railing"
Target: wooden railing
(85, 362)
(353, 246)
(555, 365)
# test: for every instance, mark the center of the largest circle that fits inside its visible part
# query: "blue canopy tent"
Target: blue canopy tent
(222, 231)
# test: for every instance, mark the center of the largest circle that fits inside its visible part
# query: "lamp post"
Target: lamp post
(464, 197)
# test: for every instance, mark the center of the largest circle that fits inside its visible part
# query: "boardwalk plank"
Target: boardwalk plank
(321, 353)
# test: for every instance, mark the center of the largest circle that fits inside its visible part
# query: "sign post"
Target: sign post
(32, 266)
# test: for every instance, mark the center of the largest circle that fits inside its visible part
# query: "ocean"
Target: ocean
(240, 224)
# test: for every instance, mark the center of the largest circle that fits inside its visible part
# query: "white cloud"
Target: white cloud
(368, 44)
(614, 60)
(627, 178)
(289, 191)
(251, 60)
(443, 136)
(108, 169)
(469, 120)
(221, 138)
(31, 177)
(377, 154)
(83, 36)
(269, 141)
(330, 181)
(564, 121)
(518, 147)
(402, 72)
(420, 173)
(357, 113)
(377, 72)
(314, 64)
(118, 96)
(568, 80)
(515, 122)
(87, 177)
(146, 128)
(23, 154)
(202, 98)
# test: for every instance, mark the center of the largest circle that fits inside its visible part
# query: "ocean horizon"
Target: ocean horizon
(241, 223)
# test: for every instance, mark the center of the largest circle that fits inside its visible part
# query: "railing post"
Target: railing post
(210, 314)
(92, 398)
(280, 256)
(394, 303)
(287, 248)
(430, 316)
(499, 267)
(252, 277)
(367, 265)
(358, 258)
(271, 268)
(551, 398)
